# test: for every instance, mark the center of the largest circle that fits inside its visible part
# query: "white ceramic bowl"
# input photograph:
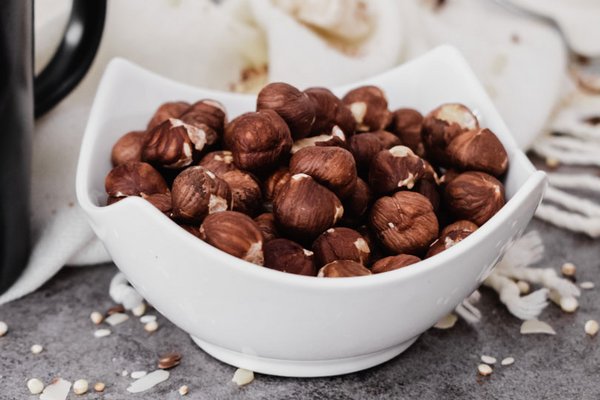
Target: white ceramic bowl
(277, 323)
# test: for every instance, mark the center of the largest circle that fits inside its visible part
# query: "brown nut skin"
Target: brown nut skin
(369, 107)
(329, 111)
(173, 144)
(392, 263)
(364, 147)
(478, 150)
(133, 179)
(395, 169)
(288, 256)
(304, 209)
(235, 234)
(357, 204)
(162, 201)
(406, 125)
(208, 115)
(168, 110)
(336, 138)
(343, 269)
(246, 196)
(275, 182)
(259, 141)
(332, 167)
(294, 106)
(387, 139)
(446, 241)
(404, 222)
(266, 223)
(219, 162)
(340, 244)
(193, 229)
(128, 148)
(442, 125)
(461, 225)
(474, 196)
(429, 189)
(197, 192)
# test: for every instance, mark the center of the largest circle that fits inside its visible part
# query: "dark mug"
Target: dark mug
(21, 97)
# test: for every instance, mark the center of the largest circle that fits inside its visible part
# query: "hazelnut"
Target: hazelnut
(333, 167)
(394, 262)
(288, 256)
(442, 125)
(193, 229)
(266, 223)
(356, 205)
(275, 182)
(406, 125)
(462, 225)
(198, 192)
(336, 138)
(235, 234)
(218, 162)
(128, 148)
(369, 107)
(364, 147)
(448, 176)
(168, 110)
(208, 115)
(173, 144)
(133, 179)
(343, 269)
(474, 196)
(162, 201)
(404, 222)
(258, 140)
(446, 241)
(395, 169)
(429, 189)
(303, 208)
(387, 139)
(478, 150)
(294, 106)
(340, 244)
(246, 196)
(329, 111)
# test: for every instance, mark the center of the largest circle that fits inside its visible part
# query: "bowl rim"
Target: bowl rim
(137, 204)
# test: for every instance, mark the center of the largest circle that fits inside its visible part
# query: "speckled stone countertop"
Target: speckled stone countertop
(442, 364)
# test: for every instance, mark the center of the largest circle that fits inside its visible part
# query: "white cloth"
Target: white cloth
(206, 45)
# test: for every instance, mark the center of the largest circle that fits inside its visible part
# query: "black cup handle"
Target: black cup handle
(74, 55)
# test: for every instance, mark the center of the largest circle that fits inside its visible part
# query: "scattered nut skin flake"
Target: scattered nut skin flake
(35, 386)
(488, 359)
(242, 377)
(148, 381)
(446, 322)
(58, 389)
(138, 374)
(587, 285)
(116, 319)
(533, 326)
(507, 361)
(591, 327)
(484, 370)
(184, 390)
(102, 333)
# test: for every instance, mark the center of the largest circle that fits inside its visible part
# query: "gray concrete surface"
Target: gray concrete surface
(440, 365)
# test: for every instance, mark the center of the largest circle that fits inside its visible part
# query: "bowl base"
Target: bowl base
(302, 368)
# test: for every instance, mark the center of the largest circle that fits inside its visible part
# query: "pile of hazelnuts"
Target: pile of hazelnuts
(315, 185)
